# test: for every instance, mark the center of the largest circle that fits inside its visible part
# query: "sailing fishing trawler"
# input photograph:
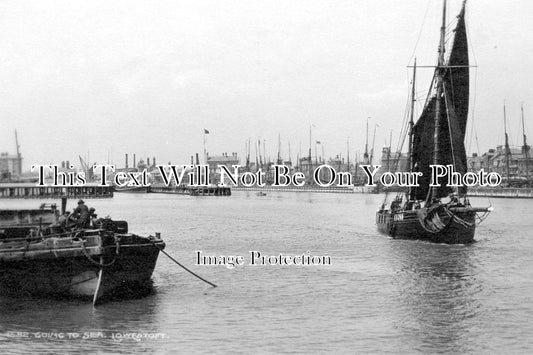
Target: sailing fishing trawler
(439, 213)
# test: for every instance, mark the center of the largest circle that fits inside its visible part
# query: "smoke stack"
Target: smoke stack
(126, 160)
(148, 162)
(153, 161)
(197, 159)
(134, 161)
(192, 160)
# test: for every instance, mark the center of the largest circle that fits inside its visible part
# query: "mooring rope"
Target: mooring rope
(182, 266)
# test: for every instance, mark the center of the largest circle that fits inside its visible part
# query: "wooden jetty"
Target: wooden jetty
(501, 192)
(28, 191)
(192, 191)
(332, 189)
(14, 190)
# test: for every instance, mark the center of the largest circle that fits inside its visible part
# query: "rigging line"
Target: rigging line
(474, 110)
(401, 141)
(468, 38)
(404, 121)
(403, 131)
(449, 125)
(473, 127)
(475, 80)
(420, 32)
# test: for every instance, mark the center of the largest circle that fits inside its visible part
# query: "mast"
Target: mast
(507, 150)
(256, 158)
(411, 124)
(526, 148)
(389, 151)
(260, 156)
(279, 162)
(439, 74)
(19, 157)
(365, 157)
(348, 153)
(264, 153)
(309, 157)
(248, 155)
(373, 142)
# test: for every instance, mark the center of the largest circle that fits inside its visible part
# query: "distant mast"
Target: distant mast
(19, 157)
(389, 151)
(348, 153)
(309, 157)
(279, 161)
(248, 155)
(373, 143)
(507, 150)
(290, 159)
(526, 147)
(365, 156)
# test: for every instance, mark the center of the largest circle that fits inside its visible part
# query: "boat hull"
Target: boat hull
(133, 189)
(409, 225)
(97, 270)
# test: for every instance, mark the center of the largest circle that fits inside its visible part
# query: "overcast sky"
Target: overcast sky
(146, 77)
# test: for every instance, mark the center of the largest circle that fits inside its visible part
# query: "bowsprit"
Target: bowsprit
(470, 178)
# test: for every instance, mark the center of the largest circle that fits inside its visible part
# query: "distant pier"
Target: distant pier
(501, 192)
(338, 190)
(192, 191)
(14, 190)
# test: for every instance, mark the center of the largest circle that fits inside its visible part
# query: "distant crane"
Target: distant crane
(86, 169)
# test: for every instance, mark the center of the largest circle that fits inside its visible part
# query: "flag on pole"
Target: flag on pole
(206, 131)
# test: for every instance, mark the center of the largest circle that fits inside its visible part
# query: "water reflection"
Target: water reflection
(436, 294)
(27, 321)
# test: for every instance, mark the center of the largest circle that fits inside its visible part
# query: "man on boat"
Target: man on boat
(93, 217)
(82, 215)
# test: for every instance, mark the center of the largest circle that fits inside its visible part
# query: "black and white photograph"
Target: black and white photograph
(266, 177)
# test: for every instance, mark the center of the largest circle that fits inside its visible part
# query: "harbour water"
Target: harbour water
(378, 295)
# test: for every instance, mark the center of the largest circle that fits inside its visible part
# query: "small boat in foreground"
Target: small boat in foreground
(42, 254)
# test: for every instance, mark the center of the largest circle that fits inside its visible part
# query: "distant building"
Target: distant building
(10, 166)
(307, 167)
(474, 163)
(495, 160)
(498, 163)
(393, 161)
(215, 161)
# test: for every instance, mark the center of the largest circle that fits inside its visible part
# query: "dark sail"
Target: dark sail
(453, 118)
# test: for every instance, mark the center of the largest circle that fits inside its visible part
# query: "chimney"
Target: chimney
(148, 161)
(153, 161)
(134, 161)
(126, 160)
